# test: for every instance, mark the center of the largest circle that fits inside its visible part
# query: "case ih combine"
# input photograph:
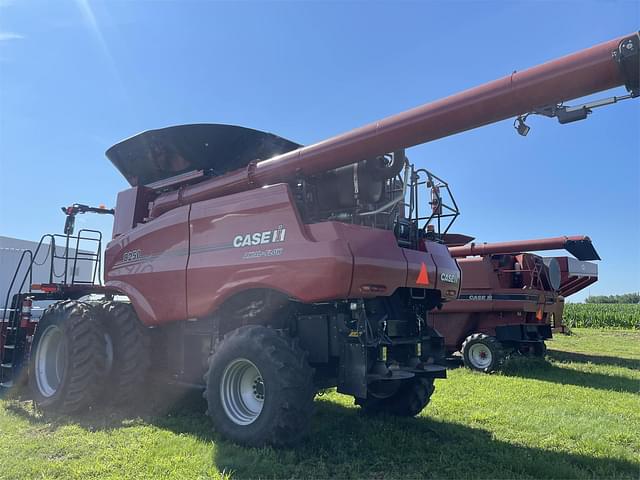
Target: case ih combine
(270, 269)
(510, 300)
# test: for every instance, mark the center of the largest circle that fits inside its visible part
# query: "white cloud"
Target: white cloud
(5, 36)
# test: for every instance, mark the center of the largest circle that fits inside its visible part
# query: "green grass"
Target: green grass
(577, 416)
(602, 315)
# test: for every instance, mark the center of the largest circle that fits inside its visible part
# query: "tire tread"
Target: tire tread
(132, 347)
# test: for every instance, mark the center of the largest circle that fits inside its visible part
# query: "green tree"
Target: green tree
(624, 298)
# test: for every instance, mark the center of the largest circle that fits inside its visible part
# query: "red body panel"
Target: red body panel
(294, 266)
(205, 262)
(148, 264)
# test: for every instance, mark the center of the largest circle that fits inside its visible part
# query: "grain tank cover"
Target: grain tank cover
(155, 155)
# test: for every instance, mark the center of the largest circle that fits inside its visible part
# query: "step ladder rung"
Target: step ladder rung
(8, 384)
(10, 347)
(6, 365)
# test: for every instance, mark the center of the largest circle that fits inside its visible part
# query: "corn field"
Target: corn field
(602, 315)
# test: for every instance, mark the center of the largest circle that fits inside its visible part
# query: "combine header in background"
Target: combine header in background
(510, 301)
(274, 269)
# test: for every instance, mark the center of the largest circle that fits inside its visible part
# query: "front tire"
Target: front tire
(66, 358)
(259, 387)
(482, 353)
(411, 397)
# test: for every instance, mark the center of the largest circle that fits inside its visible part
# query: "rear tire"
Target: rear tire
(409, 400)
(67, 357)
(259, 387)
(482, 353)
(540, 350)
(128, 352)
(536, 350)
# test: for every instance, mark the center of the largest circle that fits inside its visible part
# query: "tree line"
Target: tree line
(624, 298)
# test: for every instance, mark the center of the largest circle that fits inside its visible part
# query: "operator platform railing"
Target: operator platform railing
(71, 256)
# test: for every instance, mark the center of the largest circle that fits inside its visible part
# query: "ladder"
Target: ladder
(14, 340)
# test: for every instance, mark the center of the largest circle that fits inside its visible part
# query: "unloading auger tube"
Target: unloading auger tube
(579, 246)
(604, 66)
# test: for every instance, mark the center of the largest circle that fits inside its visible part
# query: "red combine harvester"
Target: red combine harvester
(270, 269)
(510, 301)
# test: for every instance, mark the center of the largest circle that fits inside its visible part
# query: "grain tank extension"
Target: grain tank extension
(270, 269)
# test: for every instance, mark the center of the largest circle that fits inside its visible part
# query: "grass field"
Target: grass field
(576, 416)
(602, 315)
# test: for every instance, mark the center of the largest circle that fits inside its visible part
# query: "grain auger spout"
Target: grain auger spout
(579, 246)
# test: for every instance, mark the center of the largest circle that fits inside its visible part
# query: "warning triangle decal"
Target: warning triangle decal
(423, 276)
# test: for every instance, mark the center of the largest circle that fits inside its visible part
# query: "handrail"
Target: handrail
(15, 275)
(98, 259)
(52, 256)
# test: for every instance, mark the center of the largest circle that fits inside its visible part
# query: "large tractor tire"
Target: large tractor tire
(482, 353)
(67, 358)
(408, 400)
(540, 350)
(128, 352)
(260, 387)
(537, 350)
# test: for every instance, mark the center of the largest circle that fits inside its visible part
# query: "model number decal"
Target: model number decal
(260, 238)
(132, 255)
(271, 252)
(449, 277)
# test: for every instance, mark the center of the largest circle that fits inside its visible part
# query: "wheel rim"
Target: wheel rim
(480, 355)
(50, 360)
(242, 392)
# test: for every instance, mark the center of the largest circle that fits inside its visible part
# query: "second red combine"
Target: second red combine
(511, 300)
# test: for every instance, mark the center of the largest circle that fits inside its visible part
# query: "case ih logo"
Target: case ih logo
(449, 277)
(481, 297)
(260, 238)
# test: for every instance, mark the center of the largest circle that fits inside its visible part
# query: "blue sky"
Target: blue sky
(78, 76)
